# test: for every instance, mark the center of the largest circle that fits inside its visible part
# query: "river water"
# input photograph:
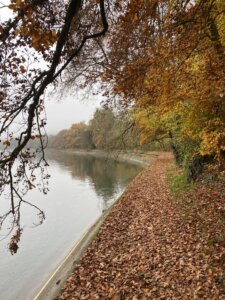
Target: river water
(81, 188)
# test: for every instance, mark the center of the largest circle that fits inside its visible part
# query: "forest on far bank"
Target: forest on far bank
(107, 130)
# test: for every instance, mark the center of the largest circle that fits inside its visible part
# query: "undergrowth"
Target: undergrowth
(177, 180)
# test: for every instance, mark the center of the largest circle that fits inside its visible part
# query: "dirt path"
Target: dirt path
(144, 250)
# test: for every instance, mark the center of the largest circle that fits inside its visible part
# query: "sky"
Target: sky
(62, 113)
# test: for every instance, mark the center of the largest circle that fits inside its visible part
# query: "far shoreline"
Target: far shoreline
(142, 158)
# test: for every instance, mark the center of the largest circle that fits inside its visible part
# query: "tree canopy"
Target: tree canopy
(167, 60)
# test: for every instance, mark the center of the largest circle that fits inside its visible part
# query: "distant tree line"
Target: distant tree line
(107, 130)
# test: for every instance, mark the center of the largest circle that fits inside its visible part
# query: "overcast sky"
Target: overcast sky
(63, 111)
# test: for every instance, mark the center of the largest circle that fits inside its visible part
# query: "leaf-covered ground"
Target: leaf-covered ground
(153, 247)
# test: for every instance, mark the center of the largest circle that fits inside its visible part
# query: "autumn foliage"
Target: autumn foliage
(167, 59)
(107, 130)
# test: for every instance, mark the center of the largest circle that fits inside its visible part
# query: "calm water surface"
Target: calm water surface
(81, 187)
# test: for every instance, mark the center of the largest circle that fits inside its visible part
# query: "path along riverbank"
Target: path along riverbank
(145, 249)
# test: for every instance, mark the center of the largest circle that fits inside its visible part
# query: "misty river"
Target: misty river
(81, 188)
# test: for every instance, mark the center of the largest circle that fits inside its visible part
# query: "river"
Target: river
(81, 188)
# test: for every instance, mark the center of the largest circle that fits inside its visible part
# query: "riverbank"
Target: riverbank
(147, 249)
(142, 158)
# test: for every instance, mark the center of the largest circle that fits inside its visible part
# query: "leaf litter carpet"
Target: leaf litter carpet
(144, 250)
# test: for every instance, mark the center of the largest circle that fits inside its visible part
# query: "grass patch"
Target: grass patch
(177, 180)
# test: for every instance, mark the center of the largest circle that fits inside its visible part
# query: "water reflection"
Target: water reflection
(106, 175)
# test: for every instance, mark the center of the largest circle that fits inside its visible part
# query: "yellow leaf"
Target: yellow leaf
(135, 18)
